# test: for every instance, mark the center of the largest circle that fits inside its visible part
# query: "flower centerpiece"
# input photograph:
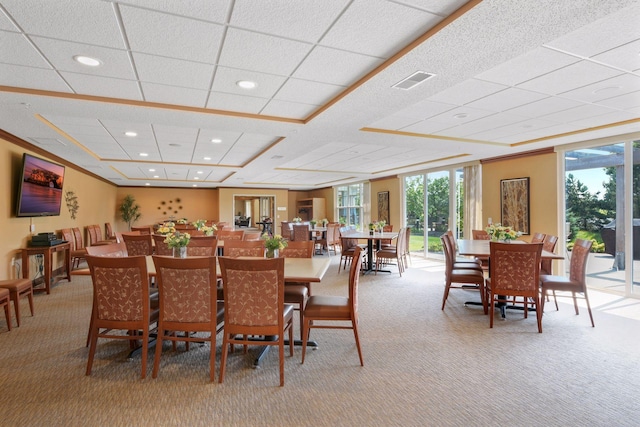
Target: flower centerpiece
(296, 219)
(178, 242)
(198, 224)
(324, 222)
(372, 227)
(182, 221)
(273, 244)
(313, 223)
(381, 225)
(166, 228)
(208, 230)
(498, 232)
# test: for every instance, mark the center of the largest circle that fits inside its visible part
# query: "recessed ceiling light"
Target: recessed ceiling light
(200, 172)
(146, 183)
(144, 154)
(207, 158)
(246, 84)
(460, 116)
(87, 60)
(156, 176)
(216, 140)
(196, 177)
(131, 133)
(152, 170)
(194, 185)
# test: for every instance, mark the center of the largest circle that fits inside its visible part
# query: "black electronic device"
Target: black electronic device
(43, 237)
(53, 242)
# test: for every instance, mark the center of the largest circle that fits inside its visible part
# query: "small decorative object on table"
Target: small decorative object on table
(372, 228)
(182, 221)
(381, 225)
(296, 219)
(178, 241)
(273, 244)
(166, 228)
(198, 224)
(499, 233)
(313, 223)
(324, 221)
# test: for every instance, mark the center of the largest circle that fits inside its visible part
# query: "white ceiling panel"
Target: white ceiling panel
(507, 71)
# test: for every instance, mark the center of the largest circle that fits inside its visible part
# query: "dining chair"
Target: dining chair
(254, 305)
(297, 292)
(549, 245)
(4, 303)
(113, 250)
(480, 235)
(285, 229)
(329, 308)
(538, 237)
(120, 302)
(386, 243)
(76, 254)
(576, 283)
(79, 246)
(202, 246)
(384, 255)
(161, 248)
(18, 288)
(515, 272)
(143, 230)
(333, 238)
(229, 234)
(466, 276)
(108, 231)
(188, 303)
(138, 244)
(244, 248)
(252, 235)
(473, 264)
(348, 246)
(300, 232)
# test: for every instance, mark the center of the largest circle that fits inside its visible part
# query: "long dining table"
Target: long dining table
(481, 248)
(295, 270)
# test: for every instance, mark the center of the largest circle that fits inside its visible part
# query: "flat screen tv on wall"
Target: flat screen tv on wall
(40, 187)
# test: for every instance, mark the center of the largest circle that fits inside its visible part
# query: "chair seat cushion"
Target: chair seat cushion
(559, 283)
(15, 285)
(296, 292)
(4, 293)
(466, 275)
(328, 306)
(288, 311)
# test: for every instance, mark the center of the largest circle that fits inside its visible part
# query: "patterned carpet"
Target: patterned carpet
(423, 367)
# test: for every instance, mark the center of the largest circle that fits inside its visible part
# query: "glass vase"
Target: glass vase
(180, 252)
(272, 253)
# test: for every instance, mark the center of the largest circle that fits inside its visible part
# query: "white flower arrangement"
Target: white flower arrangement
(499, 232)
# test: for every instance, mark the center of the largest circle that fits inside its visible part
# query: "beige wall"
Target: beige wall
(392, 185)
(191, 203)
(96, 200)
(543, 178)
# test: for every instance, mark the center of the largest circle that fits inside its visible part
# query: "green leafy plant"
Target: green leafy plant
(130, 210)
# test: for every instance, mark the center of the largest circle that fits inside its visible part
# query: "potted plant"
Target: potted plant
(130, 210)
(273, 244)
(178, 242)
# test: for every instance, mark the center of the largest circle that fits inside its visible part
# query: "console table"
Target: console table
(47, 253)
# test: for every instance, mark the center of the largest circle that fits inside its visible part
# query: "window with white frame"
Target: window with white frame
(350, 204)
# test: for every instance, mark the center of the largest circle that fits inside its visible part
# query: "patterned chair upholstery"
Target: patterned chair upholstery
(244, 248)
(202, 246)
(515, 272)
(138, 244)
(120, 302)
(264, 314)
(188, 302)
(298, 292)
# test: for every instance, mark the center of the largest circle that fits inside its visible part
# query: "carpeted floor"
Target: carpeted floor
(423, 367)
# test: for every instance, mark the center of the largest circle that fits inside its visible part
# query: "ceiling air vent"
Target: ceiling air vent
(413, 80)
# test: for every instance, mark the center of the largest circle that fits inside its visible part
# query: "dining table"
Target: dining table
(481, 248)
(371, 238)
(295, 270)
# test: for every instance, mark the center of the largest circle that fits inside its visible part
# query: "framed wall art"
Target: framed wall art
(383, 206)
(514, 200)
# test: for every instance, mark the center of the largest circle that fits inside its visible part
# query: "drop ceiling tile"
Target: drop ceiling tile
(267, 84)
(627, 101)
(305, 21)
(173, 72)
(230, 102)
(626, 56)
(525, 126)
(115, 62)
(90, 22)
(292, 110)
(394, 122)
(209, 10)
(467, 91)
(206, 135)
(15, 49)
(484, 124)
(506, 99)
(427, 127)
(5, 23)
(263, 53)
(605, 119)
(437, 7)
(605, 89)
(302, 91)
(569, 78)
(33, 78)
(602, 35)
(578, 113)
(174, 95)
(359, 28)
(535, 63)
(425, 109)
(320, 66)
(168, 35)
(544, 107)
(461, 115)
(102, 86)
